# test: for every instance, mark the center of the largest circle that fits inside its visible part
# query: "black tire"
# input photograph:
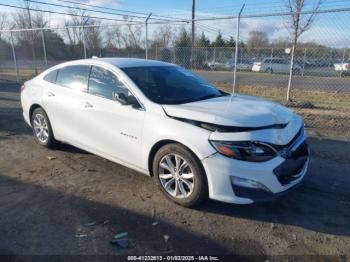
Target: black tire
(269, 70)
(200, 185)
(50, 142)
(296, 72)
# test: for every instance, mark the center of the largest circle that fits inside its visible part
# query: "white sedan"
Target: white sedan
(164, 121)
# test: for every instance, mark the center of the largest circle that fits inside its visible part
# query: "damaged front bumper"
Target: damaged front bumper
(244, 182)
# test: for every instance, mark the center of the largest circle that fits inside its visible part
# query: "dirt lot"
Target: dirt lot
(45, 204)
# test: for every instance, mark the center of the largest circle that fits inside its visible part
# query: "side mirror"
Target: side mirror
(126, 100)
(133, 102)
(121, 98)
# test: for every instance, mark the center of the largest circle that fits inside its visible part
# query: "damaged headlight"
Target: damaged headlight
(245, 150)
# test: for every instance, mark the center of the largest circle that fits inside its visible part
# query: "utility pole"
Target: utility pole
(193, 30)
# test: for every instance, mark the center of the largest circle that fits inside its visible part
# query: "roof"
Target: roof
(131, 62)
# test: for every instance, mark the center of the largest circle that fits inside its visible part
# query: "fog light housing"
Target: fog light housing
(248, 183)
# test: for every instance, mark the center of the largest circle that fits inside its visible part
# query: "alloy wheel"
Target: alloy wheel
(41, 128)
(176, 176)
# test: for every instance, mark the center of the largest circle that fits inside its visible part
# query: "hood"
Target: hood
(235, 110)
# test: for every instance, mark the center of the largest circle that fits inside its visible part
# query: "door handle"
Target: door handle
(51, 94)
(88, 105)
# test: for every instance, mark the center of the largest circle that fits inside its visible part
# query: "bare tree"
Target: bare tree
(74, 26)
(164, 36)
(27, 19)
(133, 38)
(4, 23)
(297, 24)
(93, 37)
(257, 39)
(114, 37)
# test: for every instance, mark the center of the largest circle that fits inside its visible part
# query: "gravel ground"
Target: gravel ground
(47, 207)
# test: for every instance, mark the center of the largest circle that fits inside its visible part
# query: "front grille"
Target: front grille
(295, 161)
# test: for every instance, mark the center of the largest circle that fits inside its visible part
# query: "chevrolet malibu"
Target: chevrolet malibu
(164, 121)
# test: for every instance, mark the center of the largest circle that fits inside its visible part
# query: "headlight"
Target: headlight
(245, 150)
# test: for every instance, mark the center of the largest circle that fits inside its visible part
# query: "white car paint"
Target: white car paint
(127, 135)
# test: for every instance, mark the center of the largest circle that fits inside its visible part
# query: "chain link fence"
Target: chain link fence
(319, 77)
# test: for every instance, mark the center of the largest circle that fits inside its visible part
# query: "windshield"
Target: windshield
(171, 84)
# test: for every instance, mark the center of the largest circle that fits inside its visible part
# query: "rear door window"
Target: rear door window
(104, 83)
(75, 77)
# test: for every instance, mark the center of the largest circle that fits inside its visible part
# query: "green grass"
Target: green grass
(339, 102)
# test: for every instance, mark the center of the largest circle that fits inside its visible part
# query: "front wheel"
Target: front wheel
(180, 175)
(42, 128)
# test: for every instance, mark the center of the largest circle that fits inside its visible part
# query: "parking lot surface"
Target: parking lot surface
(67, 201)
(331, 84)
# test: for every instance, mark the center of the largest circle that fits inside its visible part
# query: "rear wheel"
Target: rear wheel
(42, 128)
(180, 175)
(269, 70)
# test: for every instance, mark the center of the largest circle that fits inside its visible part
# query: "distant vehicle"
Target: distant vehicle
(215, 65)
(244, 64)
(275, 65)
(343, 68)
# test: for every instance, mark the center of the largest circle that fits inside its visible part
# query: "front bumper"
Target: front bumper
(276, 176)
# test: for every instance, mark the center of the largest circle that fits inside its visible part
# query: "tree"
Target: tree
(74, 26)
(257, 39)
(297, 24)
(132, 37)
(114, 38)
(183, 48)
(93, 37)
(4, 23)
(219, 41)
(183, 39)
(231, 42)
(164, 36)
(26, 19)
(55, 46)
(203, 41)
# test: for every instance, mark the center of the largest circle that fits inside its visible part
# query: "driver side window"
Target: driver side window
(103, 83)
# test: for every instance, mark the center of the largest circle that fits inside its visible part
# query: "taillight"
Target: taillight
(22, 87)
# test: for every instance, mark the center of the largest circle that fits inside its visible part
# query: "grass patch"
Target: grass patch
(339, 102)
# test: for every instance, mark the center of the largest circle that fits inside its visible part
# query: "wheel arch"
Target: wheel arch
(31, 110)
(164, 142)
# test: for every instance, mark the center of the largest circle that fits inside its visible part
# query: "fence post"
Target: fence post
(14, 57)
(271, 57)
(84, 43)
(290, 73)
(236, 49)
(156, 52)
(146, 23)
(44, 46)
(304, 58)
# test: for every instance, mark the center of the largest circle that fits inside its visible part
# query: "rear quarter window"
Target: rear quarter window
(75, 77)
(51, 76)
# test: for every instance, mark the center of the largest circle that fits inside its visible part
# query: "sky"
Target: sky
(332, 29)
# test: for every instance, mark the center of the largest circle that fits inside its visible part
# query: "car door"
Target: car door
(108, 127)
(61, 101)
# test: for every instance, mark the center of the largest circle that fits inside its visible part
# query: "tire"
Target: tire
(269, 70)
(296, 72)
(41, 123)
(181, 177)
